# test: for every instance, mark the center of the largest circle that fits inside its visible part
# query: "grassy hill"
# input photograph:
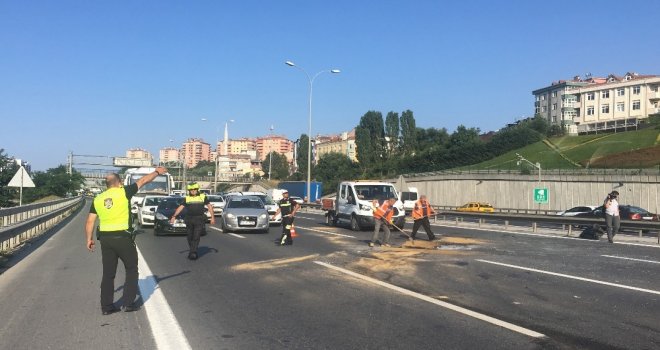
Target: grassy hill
(631, 149)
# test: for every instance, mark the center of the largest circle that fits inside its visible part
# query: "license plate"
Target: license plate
(248, 223)
(179, 224)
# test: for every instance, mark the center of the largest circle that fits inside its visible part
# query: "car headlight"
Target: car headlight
(230, 216)
(263, 216)
(160, 216)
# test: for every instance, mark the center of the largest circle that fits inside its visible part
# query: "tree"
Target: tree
(392, 133)
(463, 137)
(334, 168)
(301, 154)
(280, 167)
(539, 124)
(408, 133)
(8, 169)
(54, 182)
(432, 138)
(369, 139)
(203, 168)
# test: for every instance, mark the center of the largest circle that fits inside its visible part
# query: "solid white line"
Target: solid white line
(328, 232)
(633, 259)
(164, 326)
(651, 291)
(459, 309)
(229, 233)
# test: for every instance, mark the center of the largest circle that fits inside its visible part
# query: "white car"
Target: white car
(146, 211)
(271, 206)
(218, 203)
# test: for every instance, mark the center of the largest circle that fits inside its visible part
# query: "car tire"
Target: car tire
(156, 231)
(223, 227)
(355, 225)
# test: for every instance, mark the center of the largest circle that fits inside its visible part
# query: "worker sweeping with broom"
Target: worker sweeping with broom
(382, 218)
(420, 214)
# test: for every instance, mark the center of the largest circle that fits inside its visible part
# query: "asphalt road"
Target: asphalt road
(484, 288)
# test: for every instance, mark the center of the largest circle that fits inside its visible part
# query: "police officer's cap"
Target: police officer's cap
(193, 187)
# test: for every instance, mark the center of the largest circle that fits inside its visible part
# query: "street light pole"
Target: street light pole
(309, 135)
(270, 160)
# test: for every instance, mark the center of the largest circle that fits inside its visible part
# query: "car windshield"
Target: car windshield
(637, 210)
(152, 201)
(267, 200)
(245, 203)
(215, 199)
(370, 192)
(170, 203)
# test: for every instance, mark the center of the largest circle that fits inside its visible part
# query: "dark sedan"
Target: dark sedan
(627, 212)
(166, 208)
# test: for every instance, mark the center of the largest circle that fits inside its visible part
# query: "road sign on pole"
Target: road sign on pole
(541, 195)
(21, 179)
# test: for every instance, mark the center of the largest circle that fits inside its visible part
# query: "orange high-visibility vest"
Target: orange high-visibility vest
(384, 211)
(420, 208)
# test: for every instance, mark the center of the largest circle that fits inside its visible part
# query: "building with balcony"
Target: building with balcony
(194, 151)
(599, 104)
(274, 143)
(168, 155)
(343, 144)
(239, 146)
(139, 153)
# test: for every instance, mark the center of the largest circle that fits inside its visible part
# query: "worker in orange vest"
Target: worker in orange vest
(382, 218)
(420, 214)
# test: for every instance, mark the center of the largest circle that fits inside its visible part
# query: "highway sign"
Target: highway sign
(541, 195)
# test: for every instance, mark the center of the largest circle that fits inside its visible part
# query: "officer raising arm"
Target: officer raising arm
(113, 210)
(195, 218)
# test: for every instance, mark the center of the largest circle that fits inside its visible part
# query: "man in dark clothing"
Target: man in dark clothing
(115, 232)
(288, 207)
(195, 218)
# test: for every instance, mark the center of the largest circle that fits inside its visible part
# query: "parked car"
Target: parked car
(166, 208)
(577, 210)
(271, 206)
(218, 203)
(477, 207)
(297, 199)
(244, 213)
(147, 210)
(627, 212)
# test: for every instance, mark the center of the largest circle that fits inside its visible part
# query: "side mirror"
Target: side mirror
(152, 209)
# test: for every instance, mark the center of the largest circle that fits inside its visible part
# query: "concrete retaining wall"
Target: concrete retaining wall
(515, 191)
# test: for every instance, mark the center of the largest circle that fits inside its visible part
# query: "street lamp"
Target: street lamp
(537, 165)
(270, 160)
(309, 135)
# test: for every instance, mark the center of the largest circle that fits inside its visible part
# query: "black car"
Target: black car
(166, 208)
(627, 212)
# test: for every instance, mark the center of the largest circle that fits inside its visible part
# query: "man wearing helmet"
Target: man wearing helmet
(195, 218)
(288, 207)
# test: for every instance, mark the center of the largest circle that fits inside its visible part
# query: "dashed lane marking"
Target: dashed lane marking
(651, 291)
(633, 259)
(164, 326)
(464, 311)
(229, 233)
(328, 232)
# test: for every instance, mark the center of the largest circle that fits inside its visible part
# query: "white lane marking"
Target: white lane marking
(633, 259)
(651, 291)
(229, 233)
(328, 232)
(449, 306)
(164, 326)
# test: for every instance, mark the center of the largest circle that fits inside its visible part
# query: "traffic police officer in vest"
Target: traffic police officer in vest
(115, 232)
(195, 218)
(288, 207)
(420, 214)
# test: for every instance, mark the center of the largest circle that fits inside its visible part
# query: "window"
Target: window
(542, 97)
(605, 108)
(554, 94)
(543, 108)
(654, 88)
(620, 91)
(605, 94)
(590, 110)
(554, 119)
(591, 96)
(536, 109)
(636, 105)
(620, 107)
(636, 89)
(554, 106)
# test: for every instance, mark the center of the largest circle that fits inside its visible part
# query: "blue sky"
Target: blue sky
(99, 77)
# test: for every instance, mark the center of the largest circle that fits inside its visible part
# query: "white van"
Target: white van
(353, 204)
(409, 198)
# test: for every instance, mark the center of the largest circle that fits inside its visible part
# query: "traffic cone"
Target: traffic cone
(293, 232)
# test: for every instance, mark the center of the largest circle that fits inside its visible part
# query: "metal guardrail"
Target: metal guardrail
(19, 224)
(591, 171)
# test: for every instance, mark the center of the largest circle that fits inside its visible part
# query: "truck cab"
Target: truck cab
(353, 204)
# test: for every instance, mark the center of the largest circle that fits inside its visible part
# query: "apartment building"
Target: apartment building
(274, 143)
(343, 144)
(194, 151)
(599, 104)
(138, 153)
(168, 154)
(239, 146)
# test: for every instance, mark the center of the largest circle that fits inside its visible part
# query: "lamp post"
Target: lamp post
(537, 165)
(309, 135)
(270, 160)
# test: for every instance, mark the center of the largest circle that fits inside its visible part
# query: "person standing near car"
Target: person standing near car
(288, 207)
(382, 218)
(115, 232)
(194, 202)
(421, 212)
(612, 217)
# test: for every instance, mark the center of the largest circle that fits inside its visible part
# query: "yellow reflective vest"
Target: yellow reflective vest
(113, 210)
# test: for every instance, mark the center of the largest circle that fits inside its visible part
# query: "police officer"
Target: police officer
(288, 207)
(195, 218)
(115, 232)
(420, 214)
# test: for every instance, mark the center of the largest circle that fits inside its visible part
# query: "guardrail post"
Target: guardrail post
(456, 221)
(640, 233)
(506, 224)
(479, 222)
(570, 228)
(534, 226)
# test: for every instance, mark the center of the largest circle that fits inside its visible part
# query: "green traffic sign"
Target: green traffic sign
(541, 195)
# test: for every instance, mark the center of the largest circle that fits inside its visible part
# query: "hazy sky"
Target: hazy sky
(99, 77)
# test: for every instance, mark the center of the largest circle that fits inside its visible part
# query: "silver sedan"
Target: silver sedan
(244, 213)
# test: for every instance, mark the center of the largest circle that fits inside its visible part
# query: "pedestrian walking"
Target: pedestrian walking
(288, 207)
(115, 232)
(382, 219)
(612, 217)
(195, 220)
(421, 212)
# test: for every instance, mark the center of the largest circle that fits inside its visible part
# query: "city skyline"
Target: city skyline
(94, 78)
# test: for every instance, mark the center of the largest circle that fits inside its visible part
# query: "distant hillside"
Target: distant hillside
(631, 149)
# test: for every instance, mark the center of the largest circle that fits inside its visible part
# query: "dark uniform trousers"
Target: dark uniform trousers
(427, 227)
(114, 248)
(194, 227)
(287, 221)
